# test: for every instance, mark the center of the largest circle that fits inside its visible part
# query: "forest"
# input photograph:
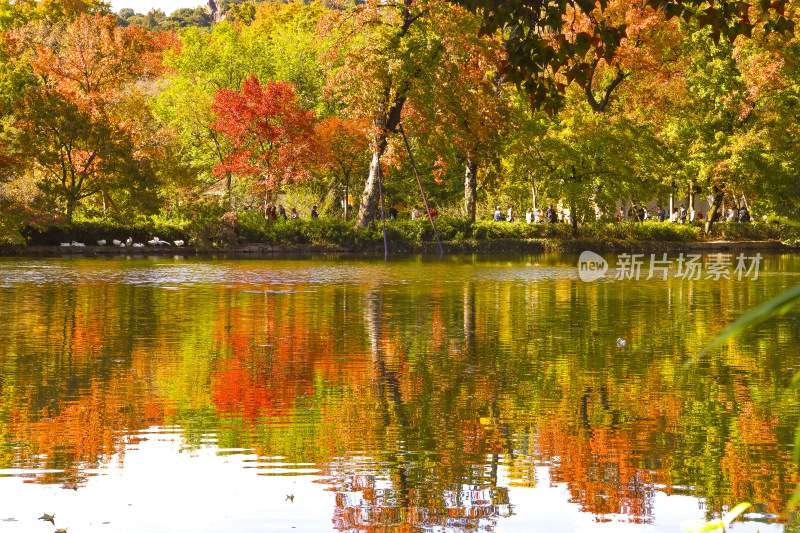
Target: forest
(210, 117)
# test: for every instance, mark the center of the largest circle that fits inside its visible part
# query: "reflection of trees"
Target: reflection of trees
(426, 475)
(415, 401)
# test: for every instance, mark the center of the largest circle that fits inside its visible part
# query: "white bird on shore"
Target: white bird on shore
(101, 242)
(138, 245)
(129, 241)
(78, 244)
(65, 244)
(178, 243)
(116, 242)
(158, 242)
(122, 245)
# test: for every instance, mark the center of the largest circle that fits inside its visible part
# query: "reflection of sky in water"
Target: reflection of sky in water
(203, 491)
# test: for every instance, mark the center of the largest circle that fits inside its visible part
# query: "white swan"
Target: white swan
(78, 244)
(65, 244)
(116, 242)
(138, 245)
(129, 241)
(101, 242)
(178, 243)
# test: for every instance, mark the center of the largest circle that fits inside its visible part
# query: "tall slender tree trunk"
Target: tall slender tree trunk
(367, 210)
(228, 187)
(574, 219)
(70, 209)
(671, 206)
(470, 189)
(715, 207)
(346, 197)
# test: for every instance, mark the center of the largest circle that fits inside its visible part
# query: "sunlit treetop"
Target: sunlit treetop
(19, 12)
(544, 54)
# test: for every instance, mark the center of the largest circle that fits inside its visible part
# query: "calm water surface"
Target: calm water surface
(350, 395)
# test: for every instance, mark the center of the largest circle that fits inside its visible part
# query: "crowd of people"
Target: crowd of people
(552, 215)
(682, 215)
(276, 212)
(636, 213)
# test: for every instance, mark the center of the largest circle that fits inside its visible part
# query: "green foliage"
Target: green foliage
(208, 223)
(184, 17)
(489, 230)
(152, 21)
(755, 231)
(211, 223)
(11, 219)
(647, 231)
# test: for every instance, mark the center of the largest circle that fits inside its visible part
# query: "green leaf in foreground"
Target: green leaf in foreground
(794, 499)
(702, 526)
(775, 307)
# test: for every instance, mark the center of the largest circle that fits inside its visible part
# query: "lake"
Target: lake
(327, 394)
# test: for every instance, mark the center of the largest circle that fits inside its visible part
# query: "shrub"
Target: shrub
(91, 230)
(754, 231)
(647, 231)
(329, 231)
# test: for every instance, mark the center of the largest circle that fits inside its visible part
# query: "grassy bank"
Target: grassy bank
(249, 227)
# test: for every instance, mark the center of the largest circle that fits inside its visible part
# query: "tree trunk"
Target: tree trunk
(712, 214)
(574, 219)
(70, 209)
(470, 189)
(671, 207)
(367, 210)
(346, 198)
(228, 187)
(269, 198)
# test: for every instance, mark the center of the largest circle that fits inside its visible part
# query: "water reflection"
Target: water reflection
(419, 394)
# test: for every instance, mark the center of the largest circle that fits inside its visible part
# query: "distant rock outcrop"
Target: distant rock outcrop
(214, 12)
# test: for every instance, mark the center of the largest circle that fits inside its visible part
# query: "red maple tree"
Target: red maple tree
(272, 135)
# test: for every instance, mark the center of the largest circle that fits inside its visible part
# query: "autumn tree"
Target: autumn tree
(544, 53)
(70, 131)
(278, 45)
(734, 127)
(20, 12)
(343, 151)
(204, 63)
(460, 106)
(272, 135)
(78, 155)
(381, 51)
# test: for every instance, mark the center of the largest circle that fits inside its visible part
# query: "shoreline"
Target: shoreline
(505, 246)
